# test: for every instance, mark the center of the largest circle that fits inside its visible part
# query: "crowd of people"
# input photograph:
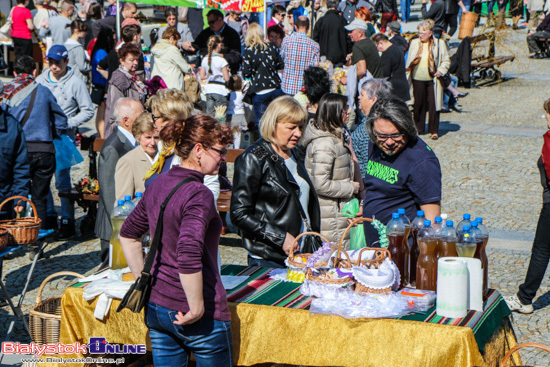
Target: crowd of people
(316, 151)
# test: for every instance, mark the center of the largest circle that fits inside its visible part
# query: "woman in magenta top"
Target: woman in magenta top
(22, 29)
(187, 310)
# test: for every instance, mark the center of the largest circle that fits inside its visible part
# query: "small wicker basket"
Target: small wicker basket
(337, 263)
(22, 231)
(380, 255)
(293, 259)
(45, 316)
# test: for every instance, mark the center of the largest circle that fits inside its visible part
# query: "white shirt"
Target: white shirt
(217, 64)
(236, 104)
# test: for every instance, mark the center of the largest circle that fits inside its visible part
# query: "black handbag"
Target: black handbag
(138, 294)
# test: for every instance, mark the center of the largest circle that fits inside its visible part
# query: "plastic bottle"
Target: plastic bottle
(466, 245)
(482, 255)
(395, 231)
(465, 221)
(128, 203)
(426, 268)
(407, 223)
(416, 224)
(28, 208)
(116, 256)
(447, 241)
(137, 199)
(437, 226)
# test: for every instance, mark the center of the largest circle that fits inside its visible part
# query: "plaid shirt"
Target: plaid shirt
(299, 53)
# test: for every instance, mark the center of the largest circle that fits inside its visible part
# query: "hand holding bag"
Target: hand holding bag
(138, 294)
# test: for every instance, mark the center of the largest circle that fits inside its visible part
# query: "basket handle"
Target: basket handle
(520, 346)
(50, 277)
(21, 198)
(352, 224)
(388, 253)
(291, 252)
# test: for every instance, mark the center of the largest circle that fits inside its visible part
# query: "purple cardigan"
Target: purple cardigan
(190, 241)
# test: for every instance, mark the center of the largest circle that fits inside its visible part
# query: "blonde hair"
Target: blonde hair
(142, 124)
(255, 37)
(282, 109)
(172, 104)
(427, 25)
(213, 43)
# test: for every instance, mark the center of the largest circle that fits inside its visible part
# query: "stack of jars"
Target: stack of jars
(417, 259)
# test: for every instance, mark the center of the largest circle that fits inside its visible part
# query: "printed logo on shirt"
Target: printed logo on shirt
(382, 172)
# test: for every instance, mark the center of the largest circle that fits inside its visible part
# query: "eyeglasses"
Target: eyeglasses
(155, 118)
(221, 152)
(213, 21)
(394, 137)
(283, 15)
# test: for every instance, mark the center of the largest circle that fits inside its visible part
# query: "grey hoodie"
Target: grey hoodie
(77, 60)
(72, 96)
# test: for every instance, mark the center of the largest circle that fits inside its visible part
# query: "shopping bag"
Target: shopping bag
(66, 153)
(357, 234)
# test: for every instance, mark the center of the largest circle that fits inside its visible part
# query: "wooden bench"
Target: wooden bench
(485, 66)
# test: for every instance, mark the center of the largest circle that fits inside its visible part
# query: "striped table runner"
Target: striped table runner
(259, 289)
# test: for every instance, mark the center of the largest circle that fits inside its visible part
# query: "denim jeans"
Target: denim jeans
(62, 183)
(405, 10)
(540, 256)
(42, 167)
(260, 103)
(214, 100)
(263, 263)
(209, 340)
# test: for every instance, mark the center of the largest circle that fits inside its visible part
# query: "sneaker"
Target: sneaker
(515, 305)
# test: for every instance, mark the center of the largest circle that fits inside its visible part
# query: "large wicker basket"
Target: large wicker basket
(513, 350)
(45, 316)
(22, 231)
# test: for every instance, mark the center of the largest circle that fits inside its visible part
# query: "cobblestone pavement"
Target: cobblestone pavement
(488, 156)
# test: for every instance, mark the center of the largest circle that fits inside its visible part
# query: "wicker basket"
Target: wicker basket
(508, 355)
(4, 238)
(337, 263)
(45, 316)
(380, 254)
(292, 260)
(22, 231)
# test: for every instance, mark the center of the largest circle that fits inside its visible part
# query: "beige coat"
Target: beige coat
(168, 63)
(330, 166)
(442, 63)
(129, 173)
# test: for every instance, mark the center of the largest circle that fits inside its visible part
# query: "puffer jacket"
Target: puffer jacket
(329, 164)
(262, 205)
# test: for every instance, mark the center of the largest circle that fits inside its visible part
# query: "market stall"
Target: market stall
(271, 323)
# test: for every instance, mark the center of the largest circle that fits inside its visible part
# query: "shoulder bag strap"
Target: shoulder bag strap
(158, 231)
(29, 108)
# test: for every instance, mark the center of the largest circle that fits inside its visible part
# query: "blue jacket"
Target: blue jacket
(46, 114)
(14, 165)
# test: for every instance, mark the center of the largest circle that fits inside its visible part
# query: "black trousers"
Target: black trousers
(424, 98)
(534, 41)
(42, 167)
(452, 21)
(540, 255)
(22, 47)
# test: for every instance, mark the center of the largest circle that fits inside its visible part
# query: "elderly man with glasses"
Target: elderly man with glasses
(402, 171)
(231, 50)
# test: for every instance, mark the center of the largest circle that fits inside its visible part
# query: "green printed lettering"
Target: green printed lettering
(382, 172)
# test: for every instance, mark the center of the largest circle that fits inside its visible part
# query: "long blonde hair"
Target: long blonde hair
(255, 37)
(213, 43)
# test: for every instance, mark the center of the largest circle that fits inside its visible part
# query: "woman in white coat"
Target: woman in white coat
(428, 60)
(167, 61)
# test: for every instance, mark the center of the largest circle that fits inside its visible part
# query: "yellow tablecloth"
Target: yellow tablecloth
(264, 334)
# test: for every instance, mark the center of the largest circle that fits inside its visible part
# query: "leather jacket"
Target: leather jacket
(262, 205)
(387, 6)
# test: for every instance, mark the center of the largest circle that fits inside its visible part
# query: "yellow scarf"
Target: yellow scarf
(167, 152)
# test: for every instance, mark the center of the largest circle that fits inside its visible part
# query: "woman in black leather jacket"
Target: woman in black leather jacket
(271, 186)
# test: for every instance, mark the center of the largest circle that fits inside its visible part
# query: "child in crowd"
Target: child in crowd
(215, 70)
(235, 109)
(79, 60)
